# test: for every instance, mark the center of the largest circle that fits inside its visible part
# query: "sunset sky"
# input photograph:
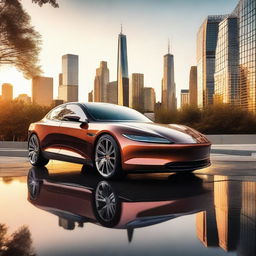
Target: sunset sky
(90, 28)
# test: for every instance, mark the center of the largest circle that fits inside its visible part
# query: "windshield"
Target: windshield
(111, 112)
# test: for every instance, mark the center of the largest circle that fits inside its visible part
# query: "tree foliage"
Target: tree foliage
(15, 117)
(216, 119)
(19, 42)
(17, 244)
(41, 2)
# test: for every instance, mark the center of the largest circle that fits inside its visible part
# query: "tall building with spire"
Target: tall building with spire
(100, 82)
(122, 71)
(168, 83)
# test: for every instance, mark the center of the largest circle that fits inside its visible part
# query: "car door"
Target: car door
(74, 144)
(49, 131)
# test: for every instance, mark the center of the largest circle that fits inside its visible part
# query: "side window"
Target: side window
(57, 113)
(75, 110)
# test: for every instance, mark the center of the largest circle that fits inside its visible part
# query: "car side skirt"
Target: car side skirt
(65, 158)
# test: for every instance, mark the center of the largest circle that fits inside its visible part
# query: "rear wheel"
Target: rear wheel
(107, 158)
(34, 152)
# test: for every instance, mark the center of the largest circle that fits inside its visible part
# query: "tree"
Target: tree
(41, 2)
(18, 244)
(15, 117)
(19, 42)
(214, 119)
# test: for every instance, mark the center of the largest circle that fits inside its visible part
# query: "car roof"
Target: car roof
(92, 103)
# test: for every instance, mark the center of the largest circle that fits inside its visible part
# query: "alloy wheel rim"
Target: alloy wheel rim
(105, 157)
(33, 185)
(33, 149)
(105, 201)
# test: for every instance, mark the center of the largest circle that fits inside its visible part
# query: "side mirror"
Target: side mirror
(71, 118)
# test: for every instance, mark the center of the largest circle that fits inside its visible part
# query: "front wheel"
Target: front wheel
(107, 158)
(107, 206)
(34, 152)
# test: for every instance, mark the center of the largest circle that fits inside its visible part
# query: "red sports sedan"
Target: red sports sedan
(115, 140)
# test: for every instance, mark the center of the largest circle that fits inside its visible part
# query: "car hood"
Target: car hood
(173, 132)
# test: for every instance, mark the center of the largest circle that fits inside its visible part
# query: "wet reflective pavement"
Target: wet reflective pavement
(66, 210)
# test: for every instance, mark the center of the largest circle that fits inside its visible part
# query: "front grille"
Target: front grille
(188, 165)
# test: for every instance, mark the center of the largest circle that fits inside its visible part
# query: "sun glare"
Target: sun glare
(13, 76)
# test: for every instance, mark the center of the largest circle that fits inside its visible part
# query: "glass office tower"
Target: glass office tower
(246, 11)
(122, 71)
(227, 63)
(206, 47)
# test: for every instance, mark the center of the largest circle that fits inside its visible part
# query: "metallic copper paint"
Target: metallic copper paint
(73, 137)
(78, 200)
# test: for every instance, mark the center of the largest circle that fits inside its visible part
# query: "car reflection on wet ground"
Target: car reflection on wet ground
(64, 210)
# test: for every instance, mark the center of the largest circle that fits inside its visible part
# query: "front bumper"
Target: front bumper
(165, 158)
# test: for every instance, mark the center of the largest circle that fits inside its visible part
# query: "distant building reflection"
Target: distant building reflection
(247, 243)
(230, 222)
(206, 228)
(224, 207)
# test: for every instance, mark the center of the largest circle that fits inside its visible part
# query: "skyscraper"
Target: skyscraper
(60, 79)
(122, 71)
(100, 82)
(206, 47)
(184, 97)
(149, 99)
(246, 12)
(42, 90)
(7, 91)
(90, 96)
(112, 92)
(168, 84)
(193, 86)
(235, 64)
(68, 91)
(227, 63)
(136, 91)
(96, 91)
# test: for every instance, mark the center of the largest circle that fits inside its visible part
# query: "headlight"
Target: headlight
(149, 139)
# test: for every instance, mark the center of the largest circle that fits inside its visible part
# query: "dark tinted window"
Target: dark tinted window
(75, 110)
(109, 112)
(56, 114)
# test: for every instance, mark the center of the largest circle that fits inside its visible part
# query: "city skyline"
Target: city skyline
(143, 42)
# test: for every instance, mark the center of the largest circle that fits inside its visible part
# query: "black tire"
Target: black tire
(33, 183)
(107, 158)
(106, 205)
(34, 152)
